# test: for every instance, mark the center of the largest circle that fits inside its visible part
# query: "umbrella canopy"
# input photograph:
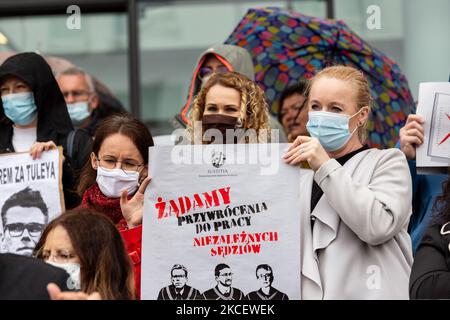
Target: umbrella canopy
(287, 46)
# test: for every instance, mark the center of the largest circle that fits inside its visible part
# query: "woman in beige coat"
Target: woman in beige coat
(356, 201)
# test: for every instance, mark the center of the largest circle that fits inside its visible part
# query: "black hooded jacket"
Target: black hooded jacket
(53, 124)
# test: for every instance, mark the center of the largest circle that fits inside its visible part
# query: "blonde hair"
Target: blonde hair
(361, 85)
(253, 109)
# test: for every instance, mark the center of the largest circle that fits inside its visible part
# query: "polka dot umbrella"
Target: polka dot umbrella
(287, 46)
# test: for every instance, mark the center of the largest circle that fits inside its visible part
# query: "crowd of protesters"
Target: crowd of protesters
(359, 205)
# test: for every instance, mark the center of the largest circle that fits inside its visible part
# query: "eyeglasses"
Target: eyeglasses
(265, 276)
(75, 93)
(206, 71)
(111, 163)
(61, 256)
(17, 229)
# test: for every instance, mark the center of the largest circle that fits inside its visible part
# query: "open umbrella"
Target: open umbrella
(287, 46)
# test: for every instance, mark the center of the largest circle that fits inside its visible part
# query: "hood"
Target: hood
(233, 57)
(53, 117)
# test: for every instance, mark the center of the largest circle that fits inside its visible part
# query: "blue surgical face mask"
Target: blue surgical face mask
(331, 129)
(20, 107)
(78, 111)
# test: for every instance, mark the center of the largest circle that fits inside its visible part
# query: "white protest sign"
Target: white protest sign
(218, 212)
(434, 107)
(30, 196)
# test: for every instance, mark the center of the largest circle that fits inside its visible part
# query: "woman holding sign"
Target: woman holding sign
(34, 117)
(113, 182)
(357, 201)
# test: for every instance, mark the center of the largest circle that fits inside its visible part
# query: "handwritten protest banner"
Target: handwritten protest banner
(30, 196)
(221, 222)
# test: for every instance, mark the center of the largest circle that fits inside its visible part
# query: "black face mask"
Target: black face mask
(221, 123)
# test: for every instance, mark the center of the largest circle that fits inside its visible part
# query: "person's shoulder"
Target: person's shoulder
(388, 153)
(164, 289)
(188, 287)
(384, 152)
(445, 228)
(18, 261)
(83, 135)
(239, 293)
(252, 295)
(436, 234)
(380, 156)
(34, 265)
(281, 295)
(439, 229)
(209, 291)
(193, 293)
(208, 295)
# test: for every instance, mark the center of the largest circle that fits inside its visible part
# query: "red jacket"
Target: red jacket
(133, 244)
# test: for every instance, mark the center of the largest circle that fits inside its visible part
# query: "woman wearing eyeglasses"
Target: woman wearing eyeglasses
(34, 118)
(88, 246)
(113, 182)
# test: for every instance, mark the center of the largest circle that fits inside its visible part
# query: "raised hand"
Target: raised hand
(133, 209)
(411, 135)
(38, 147)
(306, 149)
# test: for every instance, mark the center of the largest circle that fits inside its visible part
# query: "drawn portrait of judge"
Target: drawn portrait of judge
(178, 290)
(223, 290)
(264, 275)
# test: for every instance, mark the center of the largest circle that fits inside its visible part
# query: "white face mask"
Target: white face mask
(73, 269)
(113, 181)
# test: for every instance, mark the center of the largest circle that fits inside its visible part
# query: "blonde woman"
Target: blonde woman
(356, 202)
(229, 101)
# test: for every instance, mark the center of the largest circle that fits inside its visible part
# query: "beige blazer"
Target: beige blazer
(359, 247)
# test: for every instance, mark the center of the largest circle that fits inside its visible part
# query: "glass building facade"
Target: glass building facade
(170, 36)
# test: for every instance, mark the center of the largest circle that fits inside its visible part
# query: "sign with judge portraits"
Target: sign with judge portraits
(221, 222)
(30, 197)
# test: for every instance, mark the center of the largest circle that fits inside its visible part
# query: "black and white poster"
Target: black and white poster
(30, 196)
